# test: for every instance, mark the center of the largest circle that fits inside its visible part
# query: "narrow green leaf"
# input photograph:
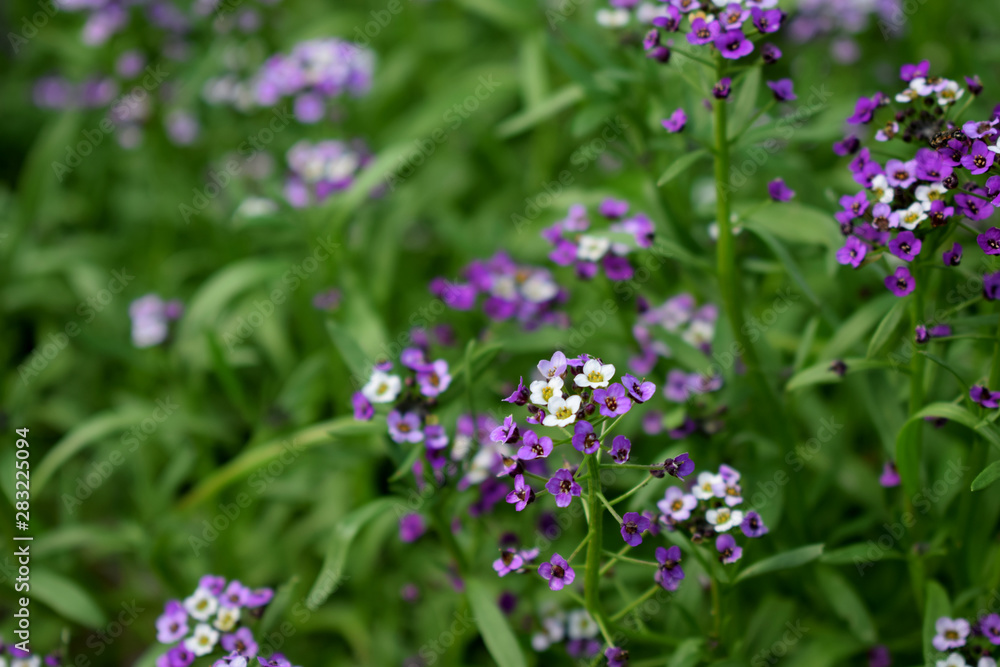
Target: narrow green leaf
(275, 610)
(886, 330)
(797, 223)
(821, 374)
(66, 597)
(782, 561)
(989, 475)
(847, 604)
(680, 165)
(746, 99)
(857, 326)
(352, 354)
(493, 626)
(688, 653)
(937, 605)
(558, 101)
(332, 572)
(854, 553)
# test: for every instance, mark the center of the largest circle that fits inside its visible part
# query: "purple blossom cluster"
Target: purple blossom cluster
(151, 317)
(903, 201)
(22, 658)
(106, 18)
(314, 73)
(528, 294)
(587, 249)
(413, 399)
(967, 644)
(212, 620)
(318, 170)
(726, 26)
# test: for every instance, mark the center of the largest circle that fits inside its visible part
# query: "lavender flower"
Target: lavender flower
(951, 633)
(900, 282)
(669, 574)
(557, 572)
(728, 550)
(621, 447)
(779, 191)
(676, 122)
(522, 495)
(632, 528)
(563, 487)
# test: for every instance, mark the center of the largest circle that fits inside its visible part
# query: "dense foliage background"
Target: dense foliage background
(231, 447)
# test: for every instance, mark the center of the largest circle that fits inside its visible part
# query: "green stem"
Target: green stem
(635, 603)
(995, 368)
(646, 480)
(611, 509)
(627, 559)
(592, 577)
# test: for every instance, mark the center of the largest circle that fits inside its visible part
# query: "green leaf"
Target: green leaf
(493, 626)
(937, 605)
(847, 604)
(558, 101)
(797, 223)
(782, 561)
(989, 475)
(886, 330)
(945, 365)
(66, 597)
(851, 553)
(746, 99)
(688, 653)
(344, 532)
(821, 374)
(857, 326)
(276, 608)
(680, 165)
(354, 357)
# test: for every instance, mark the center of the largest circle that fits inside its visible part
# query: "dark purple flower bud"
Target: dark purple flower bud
(920, 335)
(839, 367)
(680, 466)
(779, 191)
(953, 257)
(770, 53)
(782, 89)
(721, 90)
(848, 146)
(974, 84)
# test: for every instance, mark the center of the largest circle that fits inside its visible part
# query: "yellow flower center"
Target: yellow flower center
(595, 376)
(563, 413)
(547, 393)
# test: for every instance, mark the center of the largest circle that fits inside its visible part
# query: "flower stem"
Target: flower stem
(995, 368)
(646, 480)
(611, 509)
(628, 559)
(635, 603)
(595, 544)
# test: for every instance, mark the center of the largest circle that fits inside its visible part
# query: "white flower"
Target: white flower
(227, 618)
(911, 216)
(908, 95)
(592, 248)
(33, 661)
(724, 518)
(954, 660)
(709, 485)
(926, 194)
(460, 446)
(256, 207)
(539, 288)
(561, 411)
(612, 18)
(951, 93)
(646, 12)
(699, 333)
(540, 641)
(542, 391)
(203, 640)
(382, 387)
(201, 605)
(880, 188)
(986, 662)
(581, 625)
(595, 374)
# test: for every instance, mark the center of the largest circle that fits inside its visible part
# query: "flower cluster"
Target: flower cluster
(725, 25)
(212, 620)
(319, 170)
(314, 73)
(106, 18)
(967, 643)
(904, 200)
(576, 631)
(151, 317)
(523, 292)
(577, 244)
(20, 658)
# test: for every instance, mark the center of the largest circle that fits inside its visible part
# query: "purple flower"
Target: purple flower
(940, 330)
(890, 476)
(669, 574)
(179, 656)
(434, 379)
(612, 401)
(259, 597)
(728, 550)
(879, 656)
(920, 334)
(900, 282)
(680, 466)
(507, 432)
(848, 146)
(770, 53)
(977, 129)
(677, 505)
(733, 16)
(172, 625)
(853, 252)
(910, 72)
(676, 122)
(953, 257)
(520, 395)
(508, 562)
(779, 191)
(767, 21)
(363, 410)
(522, 495)
(584, 438)
(617, 657)
(534, 447)
(613, 209)
(671, 22)
(556, 366)
(984, 397)
(972, 206)
(633, 526)
(721, 90)
(906, 246)
(640, 390)
(864, 111)
(939, 213)
(990, 627)
(951, 633)
(677, 388)
(411, 527)
(782, 89)
(989, 241)
(563, 487)
(752, 525)
(900, 174)
(404, 427)
(620, 449)
(240, 642)
(931, 166)
(991, 286)
(733, 44)
(979, 159)
(558, 572)
(703, 32)
(235, 595)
